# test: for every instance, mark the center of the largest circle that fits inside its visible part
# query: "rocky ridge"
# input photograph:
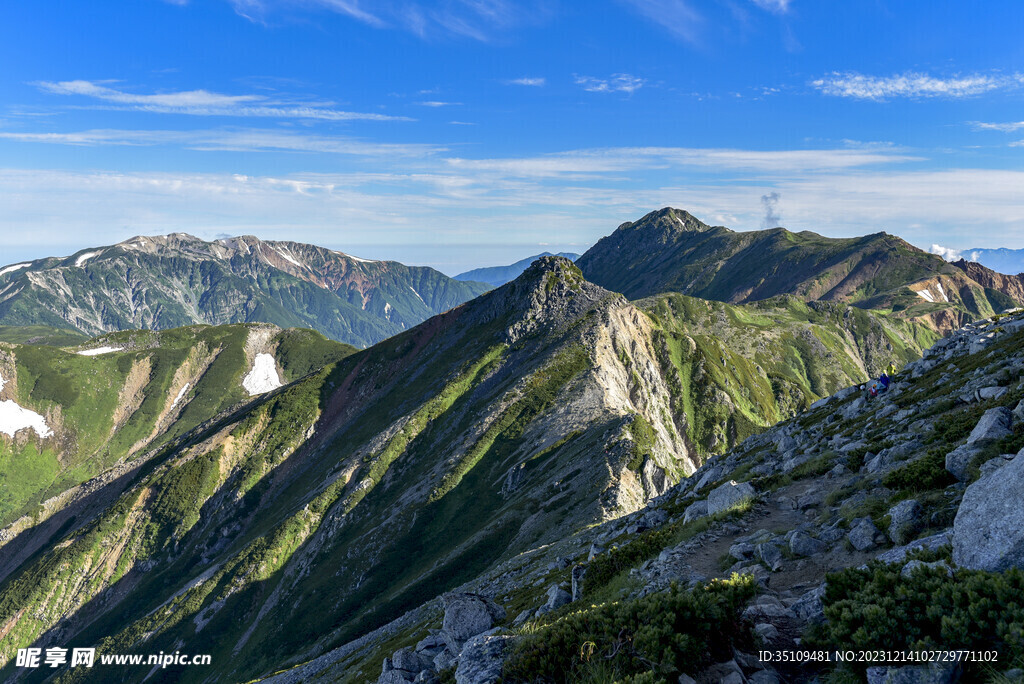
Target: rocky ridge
(855, 482)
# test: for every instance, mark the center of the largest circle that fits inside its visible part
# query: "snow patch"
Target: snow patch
(288, 257)
(263, 376)
(417, 294)
(99, 350)
(926, 295)
(181, 393)
(942, 292)
(387, 310)
(15, 267)
(85, 257)
(355, 258)
(14, 417)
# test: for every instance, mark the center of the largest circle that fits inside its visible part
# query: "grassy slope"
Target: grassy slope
(84, 395)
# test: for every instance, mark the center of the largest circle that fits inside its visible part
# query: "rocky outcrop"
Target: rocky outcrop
(988, 533)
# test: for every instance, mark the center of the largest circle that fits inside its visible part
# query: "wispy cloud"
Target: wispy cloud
(913, 85)
(616, 83)
(776, 6)
(235, 140)
(1009, 127)
(676, 16)
(480, 20)
(525, 81)
(206, 103)
(438, 103)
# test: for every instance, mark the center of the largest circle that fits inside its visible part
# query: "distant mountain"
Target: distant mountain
(672, 251)
(1002, 260)
(496, 276)
(175, 280)
(321, 511)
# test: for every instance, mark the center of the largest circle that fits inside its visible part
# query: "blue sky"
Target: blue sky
(462, 133)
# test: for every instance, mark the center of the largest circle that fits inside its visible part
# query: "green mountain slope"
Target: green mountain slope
(114, 408)
(671, 251)
(175, 280)
(335, 505)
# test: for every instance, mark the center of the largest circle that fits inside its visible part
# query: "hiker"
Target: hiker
(892, 368)
(884, 379)
(874, 388)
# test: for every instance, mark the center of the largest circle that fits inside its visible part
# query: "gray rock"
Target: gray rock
(958, 461)
(986, 393)
(764, 677)
(863, 534)
(686, 679)
(994, 424)
(741, 551)
(988, 532)
(430, 643)
(767, 631)
(710, 475)
(595, 550)
(579, 572)
(443, 660)
(771, 555)
(728, 495)
(557, 597)
(803, 544)
(900, 553)
(523, 617)
(933, 673)
(698, 509)
(427, 677)
(791, 464)
(393, 677)
(913, 565)
(766, 608)
(465, 616)
(1018, 411)
(905, 521)
(809, 607)
(410, 661)
(481, 660)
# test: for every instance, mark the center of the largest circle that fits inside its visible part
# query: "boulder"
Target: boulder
(409, 661)
(958, 461)
(994, 424)
(771, 555)
(809, 608)
(393, 677)
(905, 521)
(933, 673)
(863, 534)
(465, 616)
(988, 532)
(710, 475)
(913, 565)
(728, 495)
(481, 659)
(698, 509)
(1018, 411)
(900, 553)
(557, 597)
(986, 393)
(767, 631)
(803, 544)
(579, 572)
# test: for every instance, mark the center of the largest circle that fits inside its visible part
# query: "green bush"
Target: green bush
(666, 633)
(922, 475)
(875, 608)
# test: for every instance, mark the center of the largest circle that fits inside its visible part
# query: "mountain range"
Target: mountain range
(302, 509)
(496, 276)
(672, 251)
(1003, 260)
(174, 280)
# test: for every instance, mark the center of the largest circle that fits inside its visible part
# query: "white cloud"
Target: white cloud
(437, 103)
(230, 139)
(947, 253)
(617, 83)
(206, 103)
(777, 6)
(677, 16)
(1002, 127)
(475, 19)
(912, 84)
(525, 81)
